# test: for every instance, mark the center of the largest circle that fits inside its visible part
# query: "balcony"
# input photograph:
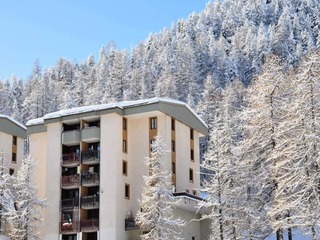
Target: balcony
(69, 228)
(91, 225)
(90, 157)
(188, 201)
(70, 203)
(70, 182)
(90, 134)
(130, 224)
(70, 160)
(90, 202)
(71, 138)
(90, 179)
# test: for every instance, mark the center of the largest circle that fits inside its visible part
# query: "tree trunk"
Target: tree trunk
(290, 233)
(314, 234)
(279, 234)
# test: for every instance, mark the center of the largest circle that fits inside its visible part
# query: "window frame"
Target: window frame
(14, 140)
(124, 168)
(191, 178)
(14, 157)
(124, 124)
(127, 191)
(191, 134)
(124, 146)
(153, 123)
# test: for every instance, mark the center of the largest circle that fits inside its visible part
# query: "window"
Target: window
(127, 191)
(193, 238)
(14, 140)
(124, 146)
(173, 168)
(11, 171)
(14, 158)
(124, 124)
(173, 146)
(191, 134)
(153, 123)
(173, 127)
(190, 174)
(192, 155)
(124, 167)
(194, 192)
(152, 145)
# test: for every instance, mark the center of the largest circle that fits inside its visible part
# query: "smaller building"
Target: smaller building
(12, 137)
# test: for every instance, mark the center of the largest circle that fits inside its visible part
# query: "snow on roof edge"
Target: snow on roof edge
(36, 121)
(121, 105)
(14, 121)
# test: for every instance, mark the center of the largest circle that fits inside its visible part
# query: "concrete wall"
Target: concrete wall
(183, 160)
(111, 190)
(53, 172)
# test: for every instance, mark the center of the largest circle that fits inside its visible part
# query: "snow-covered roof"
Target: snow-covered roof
(13, 121)
(120, 105)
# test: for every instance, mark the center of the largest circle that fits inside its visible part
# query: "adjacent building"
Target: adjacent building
(91, 166)
(12, 137)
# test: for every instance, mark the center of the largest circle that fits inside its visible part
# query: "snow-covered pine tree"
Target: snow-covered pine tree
(261, 120)
(222, 186)
(307, 98)
(157, 203)
(24, 210)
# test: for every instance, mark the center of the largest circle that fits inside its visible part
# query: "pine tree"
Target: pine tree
(24, 210)
(157, 203)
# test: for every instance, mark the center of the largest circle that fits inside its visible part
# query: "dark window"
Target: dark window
(124, 124)
(190, 174)
(153, 123)
(124, 146)
(14, 140)
(127, 191)
(173, 146)
(192, 155)
(152, 145)
(173, 127)
(191, 134)
(173, 168)
(193, 238)
(14, 157)
(124, 167)
(11, 171)
(194, 192)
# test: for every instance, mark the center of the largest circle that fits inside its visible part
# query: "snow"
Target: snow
(121, 105)
(13, 120)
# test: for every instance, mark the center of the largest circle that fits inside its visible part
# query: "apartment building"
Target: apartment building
(91, 166)
(12, 136)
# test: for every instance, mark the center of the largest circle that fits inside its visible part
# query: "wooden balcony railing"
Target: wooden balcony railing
(90, 201)
(90, 178)
(89, 225)
(70, 159)
(90, 156)
(66, 227)
(70, 181)
(69, 203)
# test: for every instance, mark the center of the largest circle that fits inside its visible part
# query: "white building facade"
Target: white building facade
(91, 166)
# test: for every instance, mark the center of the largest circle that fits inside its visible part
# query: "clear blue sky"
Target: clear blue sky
(47, 30)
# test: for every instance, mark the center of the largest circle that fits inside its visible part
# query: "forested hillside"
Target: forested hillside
(264, 153)
(226, 41)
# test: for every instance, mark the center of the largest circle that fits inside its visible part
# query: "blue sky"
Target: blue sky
(47, 30)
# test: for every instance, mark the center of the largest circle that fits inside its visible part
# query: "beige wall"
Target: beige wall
(112, 208)
(52, 217)
(6, 149)
(183, 161)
